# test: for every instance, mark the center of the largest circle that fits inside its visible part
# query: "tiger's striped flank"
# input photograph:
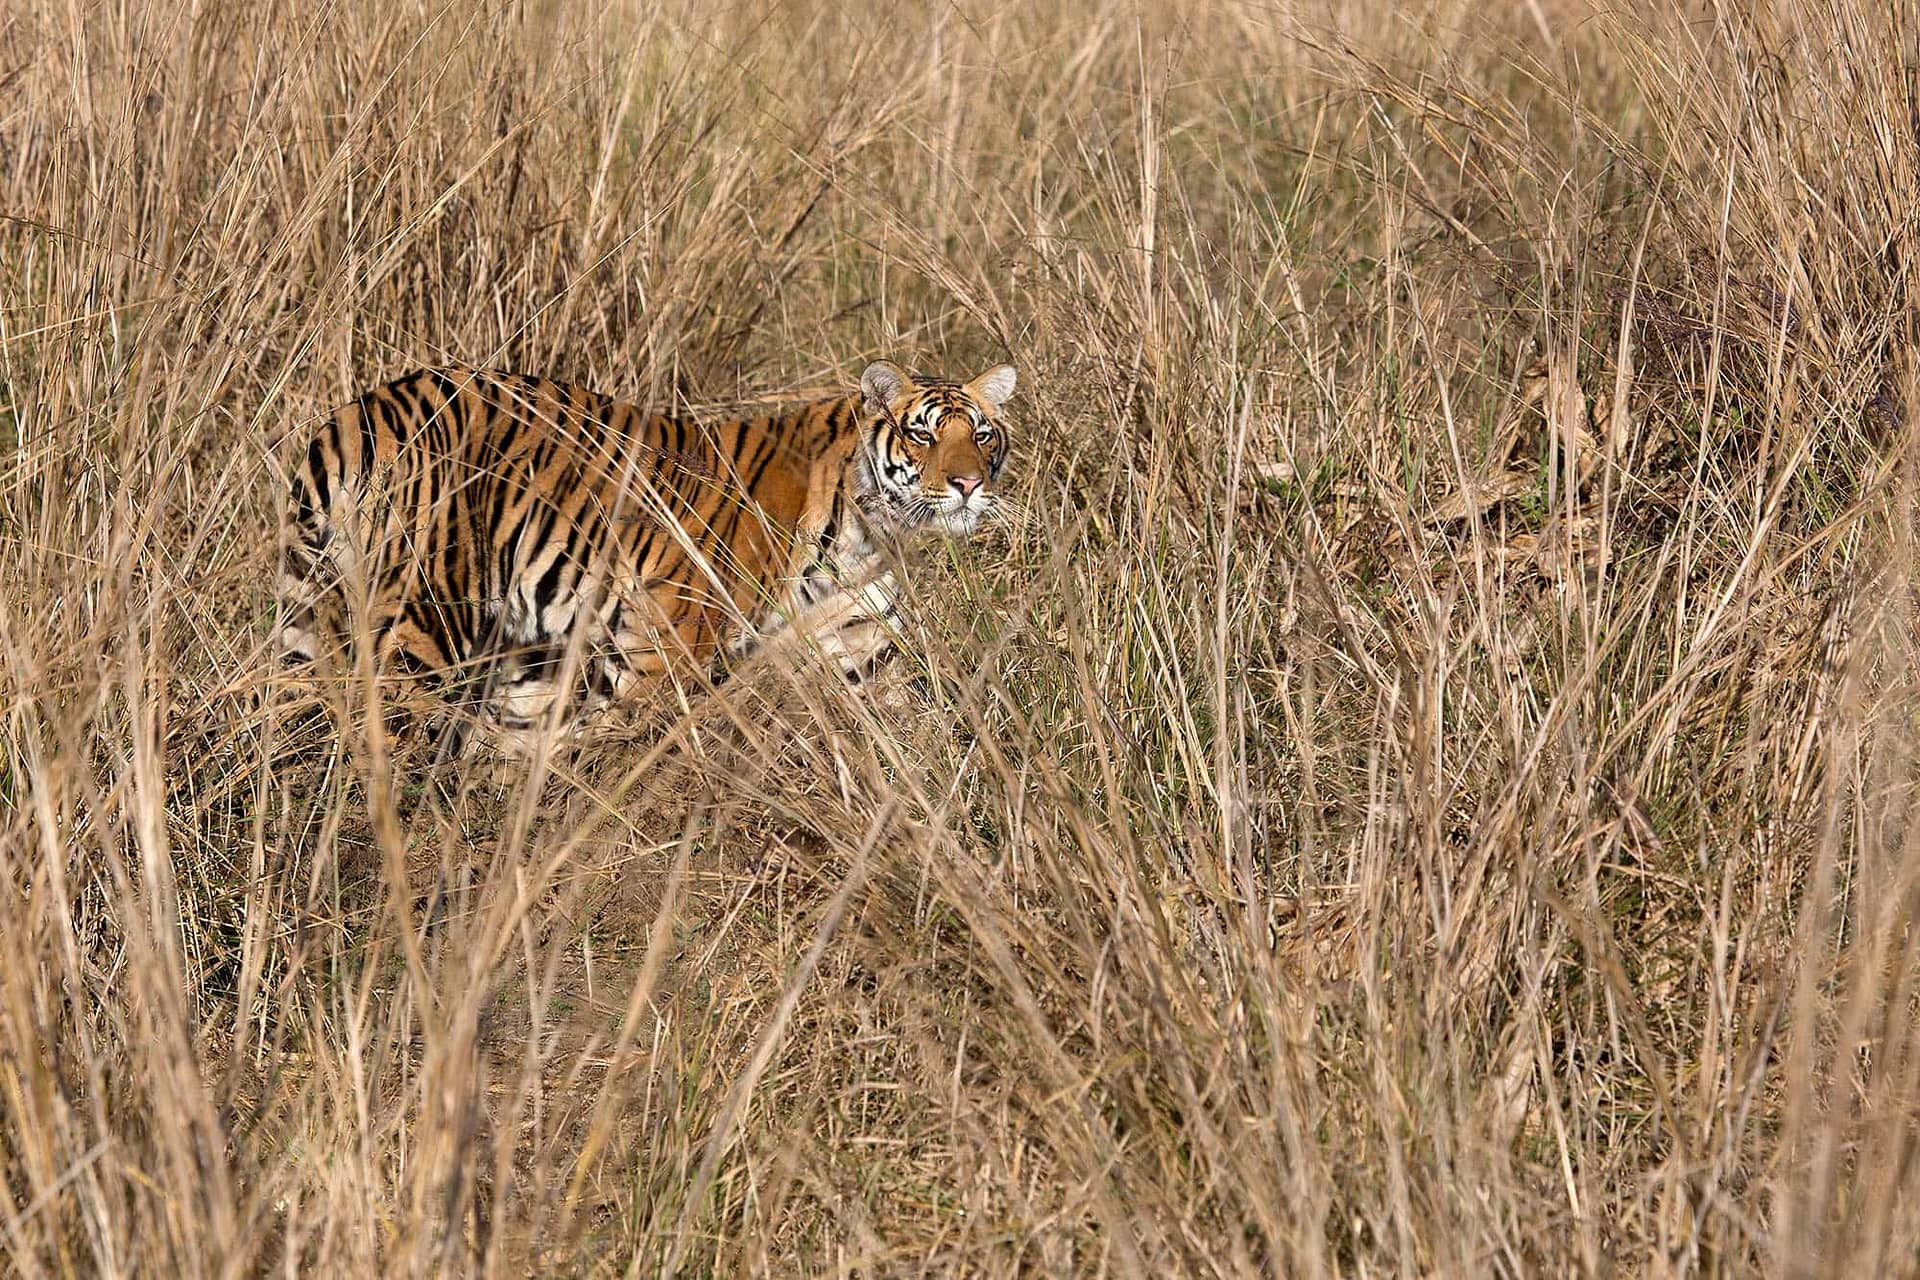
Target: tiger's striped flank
(521, 529)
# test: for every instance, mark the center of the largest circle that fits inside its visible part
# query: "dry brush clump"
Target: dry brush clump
(1419, 784)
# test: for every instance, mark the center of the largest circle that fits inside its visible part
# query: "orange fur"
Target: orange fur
(490, 519)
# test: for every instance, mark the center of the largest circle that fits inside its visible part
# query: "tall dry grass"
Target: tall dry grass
(1422, 788)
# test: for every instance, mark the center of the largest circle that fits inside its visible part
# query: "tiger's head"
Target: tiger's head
(933, 448)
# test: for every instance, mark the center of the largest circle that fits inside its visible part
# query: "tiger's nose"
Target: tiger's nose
(965, 484)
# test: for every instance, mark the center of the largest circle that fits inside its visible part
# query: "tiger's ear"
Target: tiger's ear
(882, 384)
(995, 386)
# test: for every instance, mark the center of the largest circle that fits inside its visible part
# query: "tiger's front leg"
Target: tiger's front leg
(856, 627)
(669, 629)
(869, 631)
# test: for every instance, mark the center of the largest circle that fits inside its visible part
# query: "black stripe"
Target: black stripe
(678, 430)
(422, 412)
(317, 468)
(368, 445)
(547, 589)
(841, 418)
(374, 415)
(537, 464)
(402, 394)
(558, 427)
(449, 389)
(736, 449)
(752, 484)
(432, 465)
(510, 425)
(721, 535)
(506, 545)
(425, 619)
(541, 528)
(501, 539)
(451, 534)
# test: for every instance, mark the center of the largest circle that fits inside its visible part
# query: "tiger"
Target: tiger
(566, 548)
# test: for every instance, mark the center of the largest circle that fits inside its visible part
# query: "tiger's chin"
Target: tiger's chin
(913, 514)
(959, 523)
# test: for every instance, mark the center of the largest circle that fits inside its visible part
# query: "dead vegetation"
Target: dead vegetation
(1420, 789)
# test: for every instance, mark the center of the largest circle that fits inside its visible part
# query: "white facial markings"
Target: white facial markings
(920, 448)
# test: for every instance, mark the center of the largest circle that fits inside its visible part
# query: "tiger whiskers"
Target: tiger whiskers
(1005, 513)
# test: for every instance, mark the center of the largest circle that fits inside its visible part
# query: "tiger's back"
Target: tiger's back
(484, 521)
